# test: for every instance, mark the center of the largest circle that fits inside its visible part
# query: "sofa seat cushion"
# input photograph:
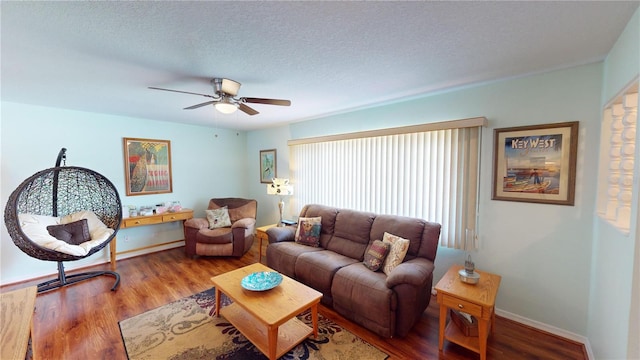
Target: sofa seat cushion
(358, 293)
(35, 227)
(317, 269)
(215, 236)
(282, 256)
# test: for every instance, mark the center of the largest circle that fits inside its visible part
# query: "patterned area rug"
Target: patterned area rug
(187, 329)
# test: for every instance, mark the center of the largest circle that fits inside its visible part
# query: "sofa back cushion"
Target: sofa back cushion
(430, 239)
(238, 208)
(352, 233)
(349, 232)
(328, 215)
(404, 227)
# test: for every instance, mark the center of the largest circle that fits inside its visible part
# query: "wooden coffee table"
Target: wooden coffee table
(268, 318)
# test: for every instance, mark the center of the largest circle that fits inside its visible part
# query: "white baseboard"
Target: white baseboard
(148, 250)
(73, 266)
(548, 328)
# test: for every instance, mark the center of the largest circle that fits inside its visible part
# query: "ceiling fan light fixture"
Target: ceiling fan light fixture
(226, 106)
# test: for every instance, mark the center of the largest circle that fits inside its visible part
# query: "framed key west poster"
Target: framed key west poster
(536, 163)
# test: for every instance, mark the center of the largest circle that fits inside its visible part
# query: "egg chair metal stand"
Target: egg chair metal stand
(60, 191)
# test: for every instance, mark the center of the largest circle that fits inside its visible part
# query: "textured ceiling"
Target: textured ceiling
(326, 57)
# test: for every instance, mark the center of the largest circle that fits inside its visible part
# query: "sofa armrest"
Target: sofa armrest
(280, 234)
(413, 272)
(247, 223)
(197, 223)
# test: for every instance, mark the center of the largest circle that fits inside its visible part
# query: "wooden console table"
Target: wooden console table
(182, 215)
(17, 322)
(477, 300)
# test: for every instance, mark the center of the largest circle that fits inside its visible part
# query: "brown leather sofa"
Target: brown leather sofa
(387, 305)
(234, 240)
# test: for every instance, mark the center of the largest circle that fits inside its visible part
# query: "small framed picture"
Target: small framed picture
(536, 163)
(147, 166)
(268, 166)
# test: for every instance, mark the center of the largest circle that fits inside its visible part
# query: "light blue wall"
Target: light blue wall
(272, 138)
(206, 162)
(611, 330)
(543, 252)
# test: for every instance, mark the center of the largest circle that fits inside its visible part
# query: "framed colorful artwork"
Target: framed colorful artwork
(536, 163)
(147, 166)
(268, 166)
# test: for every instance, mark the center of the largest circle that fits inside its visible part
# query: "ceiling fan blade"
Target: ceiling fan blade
(200, 105)
(267, 101)
(247, 110)
(184, 92)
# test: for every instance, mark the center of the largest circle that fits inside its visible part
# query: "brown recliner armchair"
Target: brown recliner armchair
(234, 240)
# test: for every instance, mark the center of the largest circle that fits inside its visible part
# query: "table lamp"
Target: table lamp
(280, 187)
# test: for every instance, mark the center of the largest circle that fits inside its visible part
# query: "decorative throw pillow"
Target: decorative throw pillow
(308, 231)
(397, 251)
(93, 221)
(375, 256)
(218, 218)
(74, 233)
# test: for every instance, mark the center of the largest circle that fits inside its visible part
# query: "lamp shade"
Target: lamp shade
(279, 187)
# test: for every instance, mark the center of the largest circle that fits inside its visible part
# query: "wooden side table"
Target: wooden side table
(17, 322)
(261, 234)
(477, 300)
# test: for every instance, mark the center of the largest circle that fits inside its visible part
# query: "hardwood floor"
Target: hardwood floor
(81, 321)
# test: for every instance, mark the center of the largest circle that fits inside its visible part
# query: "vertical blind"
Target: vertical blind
(431, 174)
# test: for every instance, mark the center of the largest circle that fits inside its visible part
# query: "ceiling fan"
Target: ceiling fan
(225, 100)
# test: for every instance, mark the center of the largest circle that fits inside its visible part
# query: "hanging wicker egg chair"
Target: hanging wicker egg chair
(58, 192)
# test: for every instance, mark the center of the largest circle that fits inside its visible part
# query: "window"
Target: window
(617, 159)
(428, 171)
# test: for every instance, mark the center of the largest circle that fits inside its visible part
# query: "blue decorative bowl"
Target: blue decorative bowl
(261, 281)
